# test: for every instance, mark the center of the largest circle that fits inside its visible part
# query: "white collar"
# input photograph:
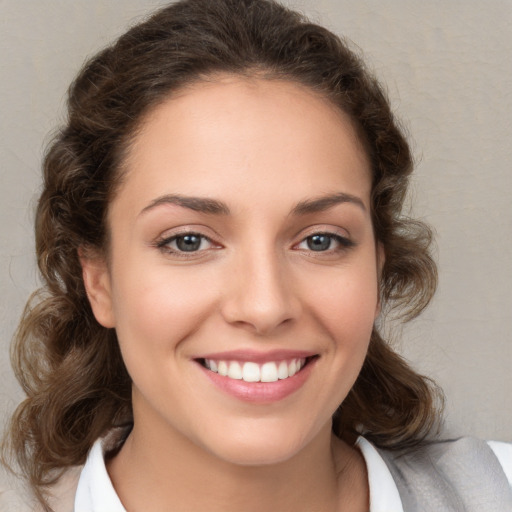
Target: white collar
(384, 496)
(95, 492)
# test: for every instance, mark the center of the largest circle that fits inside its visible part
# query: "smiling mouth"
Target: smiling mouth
(248, 371)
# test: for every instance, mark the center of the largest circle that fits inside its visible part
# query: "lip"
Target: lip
(259, 392)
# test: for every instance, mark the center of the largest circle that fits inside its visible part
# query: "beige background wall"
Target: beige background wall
(447, 68)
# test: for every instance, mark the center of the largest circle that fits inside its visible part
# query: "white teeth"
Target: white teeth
(269, 372)
(292, 368)
(222, 368)
(253, 372)
(282, 371)
(235, 370)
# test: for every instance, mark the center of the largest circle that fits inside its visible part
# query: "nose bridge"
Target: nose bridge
(260, 295)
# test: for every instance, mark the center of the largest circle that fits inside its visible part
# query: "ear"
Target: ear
(98, 287)
(381, 259)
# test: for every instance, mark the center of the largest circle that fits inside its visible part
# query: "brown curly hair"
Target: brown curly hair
(70, 366)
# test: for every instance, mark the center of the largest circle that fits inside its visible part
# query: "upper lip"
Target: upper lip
(257, 356)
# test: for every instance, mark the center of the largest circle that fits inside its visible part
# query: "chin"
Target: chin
(252, 454)
(258, 446)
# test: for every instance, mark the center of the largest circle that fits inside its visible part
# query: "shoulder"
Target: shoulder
(503, 452)
(459, 474)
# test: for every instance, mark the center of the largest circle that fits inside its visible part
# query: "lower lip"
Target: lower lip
(260, 392)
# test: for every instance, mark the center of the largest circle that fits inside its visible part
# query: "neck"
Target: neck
(151, 474)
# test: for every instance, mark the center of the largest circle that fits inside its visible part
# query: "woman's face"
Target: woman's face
(242, 280)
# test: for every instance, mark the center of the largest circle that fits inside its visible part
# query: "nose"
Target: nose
(260, 294)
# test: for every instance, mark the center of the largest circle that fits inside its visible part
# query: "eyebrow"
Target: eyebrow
(216, 207)
(198, 204)
(325, 202)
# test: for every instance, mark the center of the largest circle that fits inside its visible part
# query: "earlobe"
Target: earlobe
(97, 284)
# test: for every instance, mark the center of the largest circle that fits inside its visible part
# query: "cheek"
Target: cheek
(155, 310)
(348, 301)
(346, 306)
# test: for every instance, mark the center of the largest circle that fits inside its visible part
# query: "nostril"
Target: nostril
(259, 298)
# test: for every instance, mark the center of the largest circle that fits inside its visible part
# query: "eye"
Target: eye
(186, 242)
(321, 242)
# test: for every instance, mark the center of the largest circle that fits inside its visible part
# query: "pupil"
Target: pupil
(319, 242)
(188, 243)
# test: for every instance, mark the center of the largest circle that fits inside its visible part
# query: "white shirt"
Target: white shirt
(95, 492)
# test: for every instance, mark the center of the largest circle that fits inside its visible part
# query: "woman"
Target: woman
(219, 229)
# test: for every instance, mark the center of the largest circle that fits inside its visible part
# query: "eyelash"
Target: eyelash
(343, 242)
(164, 244)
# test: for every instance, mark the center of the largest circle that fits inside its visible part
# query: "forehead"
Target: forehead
(247, 132)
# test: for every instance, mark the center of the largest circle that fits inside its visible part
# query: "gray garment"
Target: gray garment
(462, 475)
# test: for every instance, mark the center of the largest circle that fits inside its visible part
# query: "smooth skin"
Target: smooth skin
(275, 251)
